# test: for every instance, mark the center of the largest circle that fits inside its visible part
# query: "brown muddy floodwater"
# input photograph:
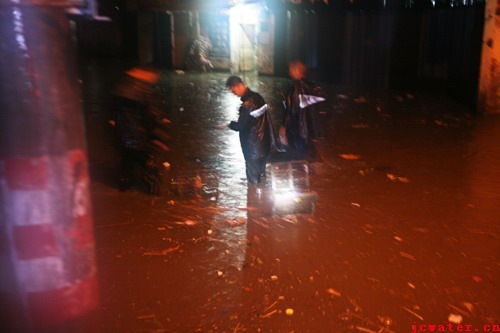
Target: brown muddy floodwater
(404, 230)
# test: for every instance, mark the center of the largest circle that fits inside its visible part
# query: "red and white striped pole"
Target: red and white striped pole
(47, 257)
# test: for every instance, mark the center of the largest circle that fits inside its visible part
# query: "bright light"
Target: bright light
(230, 105)
(243, 30)
(286, 198)
(245, 14)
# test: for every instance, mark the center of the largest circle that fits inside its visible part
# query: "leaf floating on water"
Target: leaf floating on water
(349, 156)
(455, 318)
(333, 292)
(394, 178)
(469, 306)
(407, 255)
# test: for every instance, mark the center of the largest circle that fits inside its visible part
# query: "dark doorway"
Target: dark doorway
(162, 40)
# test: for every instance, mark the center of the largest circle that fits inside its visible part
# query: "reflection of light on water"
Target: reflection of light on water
(234, 163)
(285, 197)
(230, 104)
(232, 189)
(285, 200)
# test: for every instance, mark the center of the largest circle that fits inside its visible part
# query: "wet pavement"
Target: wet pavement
(404, 230)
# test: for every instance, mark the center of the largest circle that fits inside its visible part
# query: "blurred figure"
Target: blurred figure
(255, 129)
(301, 123)
(197, 54)
(141, 130)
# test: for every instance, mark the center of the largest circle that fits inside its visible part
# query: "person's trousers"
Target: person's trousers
(255, 169)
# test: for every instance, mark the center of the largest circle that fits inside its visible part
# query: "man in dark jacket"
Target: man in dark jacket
(255, 129)
(141, 130)
(301, 109)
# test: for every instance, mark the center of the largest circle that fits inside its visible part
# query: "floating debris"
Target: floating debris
(187, 222)
(385, 320)
(333, 292)
(407, 255)
(269, 314)
(280, 298)
(477, 279)
(455, 318)
(469, 306)
(460, 310)
(441, 123)
(237, 221)
(162, 252)
(413, 313)
(363, 329)
(395, 178)
(360, 100)
(349, 156)
(360, 125)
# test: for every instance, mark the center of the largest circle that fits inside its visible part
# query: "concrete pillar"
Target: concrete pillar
(489, 78)
(47, 259)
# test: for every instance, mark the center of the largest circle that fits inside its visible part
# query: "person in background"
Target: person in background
(301, 119)
(255, 129)
(197, 58)
(141, 130)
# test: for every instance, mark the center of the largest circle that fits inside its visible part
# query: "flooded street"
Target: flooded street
(405, 226)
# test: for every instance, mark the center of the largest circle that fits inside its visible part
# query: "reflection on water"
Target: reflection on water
(232, 167)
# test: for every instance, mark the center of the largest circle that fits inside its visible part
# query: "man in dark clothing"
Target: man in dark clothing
(301, 109)
(255, 129)
(141, 130)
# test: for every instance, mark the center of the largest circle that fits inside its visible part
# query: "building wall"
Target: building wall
(489, 81)
(265, 48)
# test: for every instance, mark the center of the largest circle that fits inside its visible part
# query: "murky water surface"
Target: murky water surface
(404, 230)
